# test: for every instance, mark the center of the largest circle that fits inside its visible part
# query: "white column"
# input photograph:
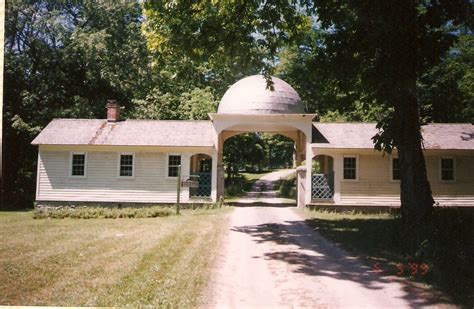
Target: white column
(309, 172)
(214, 176)
(337, 163)
(185, 169)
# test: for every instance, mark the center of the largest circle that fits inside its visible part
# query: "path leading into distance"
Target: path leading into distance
(271, 259)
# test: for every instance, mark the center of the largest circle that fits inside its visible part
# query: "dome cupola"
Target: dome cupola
(251, 96)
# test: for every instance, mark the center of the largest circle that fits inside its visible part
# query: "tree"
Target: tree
(307, 66)
(446, 91)
(64, 59)
(388, 46)
(197, 104)
(385, 46)
(215, 43)
(241, 151)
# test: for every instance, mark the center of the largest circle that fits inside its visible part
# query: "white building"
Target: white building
(136, 161)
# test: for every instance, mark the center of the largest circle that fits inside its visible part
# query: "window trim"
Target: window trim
(391, 168)
(71, 154)
(356, 179)
(133, 165)
(440, 174)
(168, 164)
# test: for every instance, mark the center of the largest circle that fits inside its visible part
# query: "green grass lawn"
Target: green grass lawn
(442, 256)
(255, 175)
(160, 262)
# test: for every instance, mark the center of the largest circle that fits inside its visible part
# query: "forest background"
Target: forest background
(65, 60)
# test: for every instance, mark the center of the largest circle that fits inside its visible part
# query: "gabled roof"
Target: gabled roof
(126, 133)
(359, 135)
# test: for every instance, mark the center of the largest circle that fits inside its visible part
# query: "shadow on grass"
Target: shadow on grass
(444, 246)
(370, 239)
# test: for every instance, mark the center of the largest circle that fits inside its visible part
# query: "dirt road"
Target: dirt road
(271, 259)
(264, 190)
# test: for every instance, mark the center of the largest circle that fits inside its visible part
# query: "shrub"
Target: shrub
(287, 186)
(236, 186)
(104, 212)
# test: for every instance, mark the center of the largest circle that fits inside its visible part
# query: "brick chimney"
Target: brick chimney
(113, 111)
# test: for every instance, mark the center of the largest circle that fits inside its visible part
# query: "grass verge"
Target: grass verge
(442, 255)
(158, 262)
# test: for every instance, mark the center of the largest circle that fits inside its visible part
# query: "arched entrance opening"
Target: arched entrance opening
(322, 181)
(251, 105)
(201, 171)
(248, 156)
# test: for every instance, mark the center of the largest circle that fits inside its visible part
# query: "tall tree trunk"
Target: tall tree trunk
(415, 191)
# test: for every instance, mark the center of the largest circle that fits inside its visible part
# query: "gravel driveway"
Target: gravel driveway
(270, 258)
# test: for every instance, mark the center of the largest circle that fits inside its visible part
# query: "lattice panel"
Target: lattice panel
(322, 186)
(204, 189)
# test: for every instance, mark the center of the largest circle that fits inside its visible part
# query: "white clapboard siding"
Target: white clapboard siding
(375, 187)
(102, 184)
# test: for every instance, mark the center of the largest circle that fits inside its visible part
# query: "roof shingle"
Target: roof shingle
(359, 135)
(126, 133)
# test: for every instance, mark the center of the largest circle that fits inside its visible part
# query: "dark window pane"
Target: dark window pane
(447, 169)
(174, 160)
(447, 175)
(447, 163)
(78, 165)
(78, 170)
(395, 169)
(126, 165)
(349, 174)
(349, 168)
(173, 171)
(126, 160)
(126, 171)
(78, 159)
(173, 163)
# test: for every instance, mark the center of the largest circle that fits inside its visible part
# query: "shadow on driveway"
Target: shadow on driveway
(313, 255)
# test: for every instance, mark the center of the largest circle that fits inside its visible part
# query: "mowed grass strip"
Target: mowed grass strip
(108, 262)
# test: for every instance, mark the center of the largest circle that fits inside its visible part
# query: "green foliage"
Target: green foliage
(104, 212)
(196, 104)
(175, 59)
(447, 90)
(213, 40)
(235, 187)
(157, 105)
(242, 151)
(287, 187)
(64, 60)
(257, 152)
(278, 149)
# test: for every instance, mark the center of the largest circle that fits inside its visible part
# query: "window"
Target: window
(447, 169)
(350, 168)
(173, 162)
(126, 165)
(78, 164)
(395, 169)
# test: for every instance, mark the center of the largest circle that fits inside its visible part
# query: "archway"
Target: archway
(201, 170)
(322, 180)
(250, 105)
(249, 156)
